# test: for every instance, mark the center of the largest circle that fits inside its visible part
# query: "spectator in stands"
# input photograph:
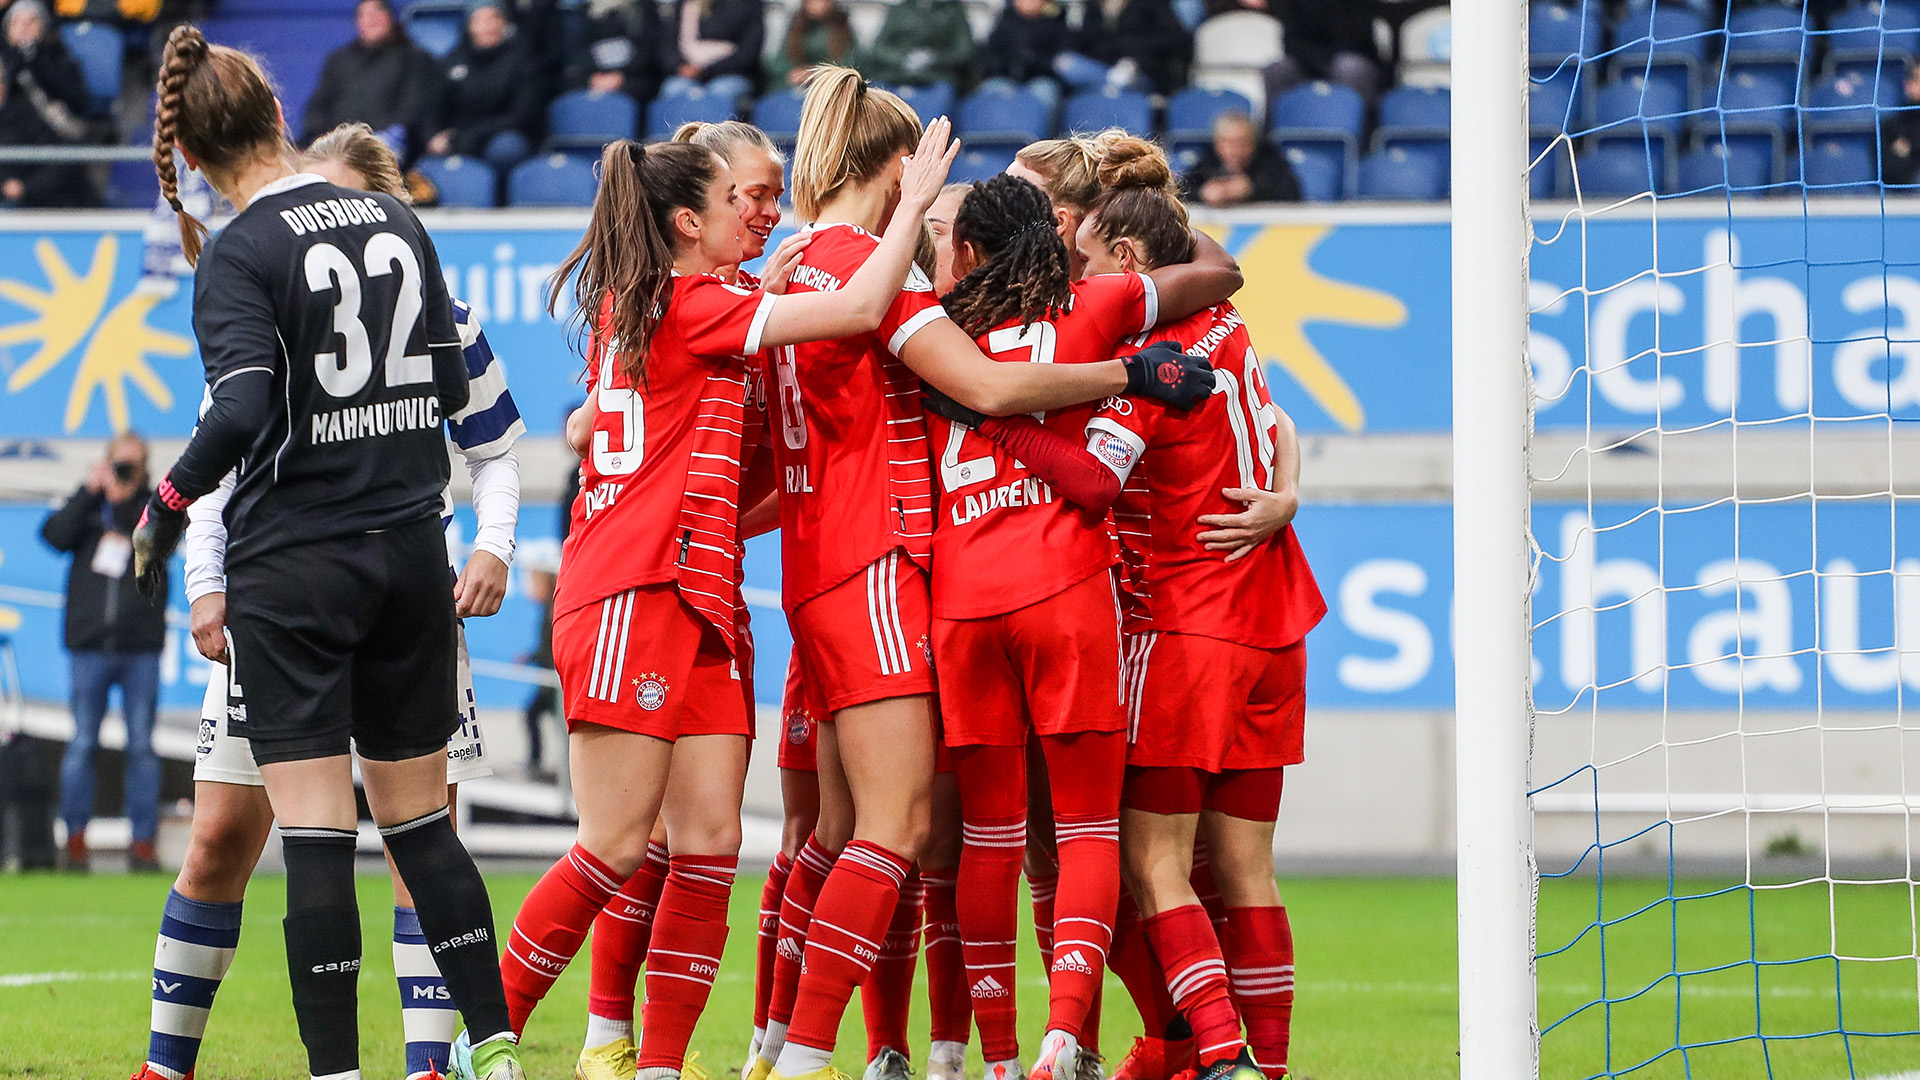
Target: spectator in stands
(1137, 44)
(380, 79)
(490, 102)
(541, 27)
(1327, 39)
(114, 637)
(819, 33)
(1240, 166)
(1023, 46)
(43, 98)
(619, 49)
(1900, 137)
(923, 42)
(716, 44)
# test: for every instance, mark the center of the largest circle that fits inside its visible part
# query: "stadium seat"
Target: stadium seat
(1849, 103)
(100, 50)
(1861, 36)
(1396, 174)
(1752, 101)
(1556, 32)
(1231, 50)
(582, 118)
(1552, 108)
(1322, 176)
(1769, 38)
(1322, 109)
(1634, 102)
(1615, 169)
(1547, 177)
(293, 47)
(1839, 163)
(1718, 165)
(1191, 113)
(132, 185)
(552, 180)
(1426, 48)
(934, 99)
(1003, 117)
(1101, 109)
(435, 27)
(778, 114)
(1659, 35)
(973, 166)
(1416, 119)
(669, 111)
(1749, 153)
(462, 181)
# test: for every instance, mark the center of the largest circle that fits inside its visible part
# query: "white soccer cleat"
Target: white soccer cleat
(1059, 1058)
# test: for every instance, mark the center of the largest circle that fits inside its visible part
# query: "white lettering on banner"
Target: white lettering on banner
(1763, 612)
(1732, 299)
(1588, 583)
(507, 290)
(1854, 361)
(1411, 639)
(1613, 313)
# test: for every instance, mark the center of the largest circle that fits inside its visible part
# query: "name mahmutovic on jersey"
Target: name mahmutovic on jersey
(379, 418)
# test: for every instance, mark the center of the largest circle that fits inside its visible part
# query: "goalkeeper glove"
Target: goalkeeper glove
(940, 404)
(1164, 372)
(161, 526)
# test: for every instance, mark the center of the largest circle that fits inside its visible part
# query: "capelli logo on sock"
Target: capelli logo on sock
(479, 936)
(342, 966)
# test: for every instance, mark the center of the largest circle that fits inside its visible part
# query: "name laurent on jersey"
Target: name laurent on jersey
(1027, 492)
(380, 418)
(332, 214)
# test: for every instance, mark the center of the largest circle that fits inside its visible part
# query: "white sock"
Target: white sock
(797, 1060)
(658, 1072)
(948, 1052)
(350, 1074)
(602, 1030)
(772, 1041)
(753, 1048)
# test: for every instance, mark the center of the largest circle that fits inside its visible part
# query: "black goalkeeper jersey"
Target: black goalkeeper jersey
(332, 359)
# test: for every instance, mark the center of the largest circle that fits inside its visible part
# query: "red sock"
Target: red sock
(1133, 961)
(952, 1015)
(552, 923)
(993, 833)
(888, 993)
(1043, 889)
(1090, 1027)
(1083, 916)
(1259, 953)
(620, 936)
(810, 870)
(1183, 942)
(682, 967)
(1207, 889)
(843, 940)
(769, 936)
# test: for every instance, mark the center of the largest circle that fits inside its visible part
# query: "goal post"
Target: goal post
(1491, 428)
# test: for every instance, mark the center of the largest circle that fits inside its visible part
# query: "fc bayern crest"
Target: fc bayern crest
(799, 728)
(650, 691)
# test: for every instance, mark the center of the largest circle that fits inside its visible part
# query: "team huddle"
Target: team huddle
(1048, 609)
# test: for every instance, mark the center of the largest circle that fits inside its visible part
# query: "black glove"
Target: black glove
(154, 539)
(940, 404)
(1164, 372)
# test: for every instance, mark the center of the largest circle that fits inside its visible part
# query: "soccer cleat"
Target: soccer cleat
(1091, 1066)
(613, 1061)
(149, 1072)
(460, 1058)
(944, 1064)
(890, 1064)
(1005, 1070)
(1242, 1067)
(691, 1069)
(828, 1073)
(1156, 1059)
(498, 1058)
(1059, 1058)
(761, 1069)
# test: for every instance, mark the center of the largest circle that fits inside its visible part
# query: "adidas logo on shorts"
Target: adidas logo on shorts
(1072, 961)
(988, 987)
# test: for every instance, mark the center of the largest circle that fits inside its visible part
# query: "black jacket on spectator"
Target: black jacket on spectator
(1021, 49)
(1900, 144)
(1318, 29)
(539, 23)
(1146, 31)
(623, 37)
(488, 91)
(742, 22)
(43, 97)
(1271, 176)
(104, 614)
(395, 83)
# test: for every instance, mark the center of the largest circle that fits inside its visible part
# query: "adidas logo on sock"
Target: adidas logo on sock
(1071, 960)
(787, 947)
(988, 987)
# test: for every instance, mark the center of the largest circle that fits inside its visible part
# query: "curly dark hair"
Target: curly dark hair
(1010, 223)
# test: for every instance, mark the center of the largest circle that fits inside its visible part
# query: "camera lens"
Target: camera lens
(123, 470)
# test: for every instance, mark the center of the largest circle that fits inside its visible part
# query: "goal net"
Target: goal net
(1723, 309)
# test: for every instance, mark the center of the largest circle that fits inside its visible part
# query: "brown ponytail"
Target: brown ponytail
(849, 131)
(1138, 202)
(1010, 222)
(216, 103)
(626, 256)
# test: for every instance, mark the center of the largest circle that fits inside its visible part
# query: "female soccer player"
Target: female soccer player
(232, 817)
(1067, 170)
(645, 626)
(855, 513)
(332, 357)
(1025, 620)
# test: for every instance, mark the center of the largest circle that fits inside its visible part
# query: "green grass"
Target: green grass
(1376, 983)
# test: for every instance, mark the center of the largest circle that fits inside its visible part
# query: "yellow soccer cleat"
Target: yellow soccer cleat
(614, 1061)
(761, 1069)
(691, 1069)
(828, 1073)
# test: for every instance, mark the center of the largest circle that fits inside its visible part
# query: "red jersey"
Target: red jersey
(660, 484)
(1179, 464)
(851, 443)
(1003, 539)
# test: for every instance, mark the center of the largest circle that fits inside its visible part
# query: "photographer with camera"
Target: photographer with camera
(114, 637)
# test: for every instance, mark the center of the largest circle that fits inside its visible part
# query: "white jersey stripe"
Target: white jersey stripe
(599, 649)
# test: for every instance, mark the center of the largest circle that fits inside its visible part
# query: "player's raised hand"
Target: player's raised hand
(481, 586)
(926, 170)
(1164, 372)
(780, 264)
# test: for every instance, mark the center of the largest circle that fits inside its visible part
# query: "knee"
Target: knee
(622, 853)
(1244, 873)
(219, 860)
(719, 837)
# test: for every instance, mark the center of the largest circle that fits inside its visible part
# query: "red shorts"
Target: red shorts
(867, 638)
(644, 661)
(1052, 667)
(800, 714)
(1253, 794)
(1202, 703)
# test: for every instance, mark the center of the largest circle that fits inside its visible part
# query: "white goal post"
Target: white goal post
(1491, 426)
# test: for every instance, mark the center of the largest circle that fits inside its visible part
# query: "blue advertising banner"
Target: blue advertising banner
(1733, 602)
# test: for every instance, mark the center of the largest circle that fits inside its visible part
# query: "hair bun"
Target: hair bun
(1132, 162)
(690, 130)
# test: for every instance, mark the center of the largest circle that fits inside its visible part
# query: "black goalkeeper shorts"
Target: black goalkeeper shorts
(346, 644)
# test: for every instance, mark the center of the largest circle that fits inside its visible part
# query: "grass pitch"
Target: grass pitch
(1376, 983)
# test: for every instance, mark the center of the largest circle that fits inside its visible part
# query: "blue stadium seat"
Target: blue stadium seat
(1752, 101)
(1617, 168)
(1561, 85)
(973, 166)
(778, 114)
(1635, 101)
(1661, 34)
(288, 7)
(99, 49)
(1769, 38)
(1003, 117)
(1191, 113)
(1322, 110)
(1860, 36)
(669, 111)
(552, 180)
(293, 47)
(1416, 120)
(463, 181)
(435, 27)
(1395, 174)
(929, 101)
(1717, 165)
(1101, 109)
(1840, 164)
(1322, 176)
(582, 118)
(1551, 108)
(1556, 32)
(132, 185)
(1546, 179)
(1849, 103)
(1749, 153)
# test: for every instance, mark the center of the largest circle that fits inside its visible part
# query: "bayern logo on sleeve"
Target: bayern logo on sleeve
(1112, 449)
(650, 691)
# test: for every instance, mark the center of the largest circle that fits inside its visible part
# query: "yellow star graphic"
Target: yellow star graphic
(1294, 294)
(118, 355)
(67, 309)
